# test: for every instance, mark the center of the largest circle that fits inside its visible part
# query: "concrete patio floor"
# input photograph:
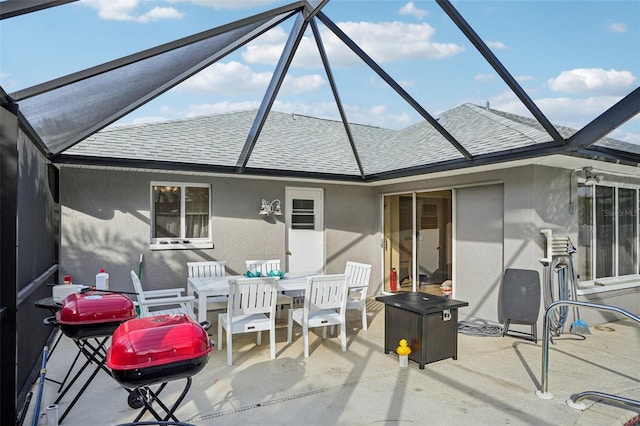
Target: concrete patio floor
(493, 381)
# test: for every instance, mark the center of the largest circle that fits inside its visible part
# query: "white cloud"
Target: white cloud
(7, 82)
(196, 110)
(124, 10)
(227, 4)
(267, 48)
(384, 42)
(234, 78)
(617, 27)
(483, 78)
(597, 80)
(302, 84)
(498, 45)
(411, 9)
(228, 79)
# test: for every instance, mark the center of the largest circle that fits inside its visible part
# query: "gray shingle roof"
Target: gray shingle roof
(296, 143)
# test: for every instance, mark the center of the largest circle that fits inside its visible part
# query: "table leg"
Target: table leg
(202, 307)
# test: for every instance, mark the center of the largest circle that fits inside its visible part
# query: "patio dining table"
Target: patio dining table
(203, 287)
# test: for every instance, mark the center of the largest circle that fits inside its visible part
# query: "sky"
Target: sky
(574, 58)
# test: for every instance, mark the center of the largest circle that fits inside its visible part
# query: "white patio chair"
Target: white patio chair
(266, 266)
(358, 275)
(325, 302)
(251, 308)
(162, 302)
(214, 268)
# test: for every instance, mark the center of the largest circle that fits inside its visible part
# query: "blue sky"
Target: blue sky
(574, 58)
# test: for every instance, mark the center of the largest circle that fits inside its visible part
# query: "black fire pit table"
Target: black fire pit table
(428, 323)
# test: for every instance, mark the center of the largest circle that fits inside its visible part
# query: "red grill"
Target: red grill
(90, 319)
(93, 314)
(156, 350)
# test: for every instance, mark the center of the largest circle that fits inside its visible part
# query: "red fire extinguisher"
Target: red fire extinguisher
(393, 278)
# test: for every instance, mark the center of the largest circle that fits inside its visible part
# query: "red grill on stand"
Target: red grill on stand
(156, 350)
(90, 319)
(93, 314)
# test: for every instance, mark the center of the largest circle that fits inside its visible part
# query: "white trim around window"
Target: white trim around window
(181, 215)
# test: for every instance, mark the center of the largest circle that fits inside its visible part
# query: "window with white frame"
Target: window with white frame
(608, 231)
(180, 215)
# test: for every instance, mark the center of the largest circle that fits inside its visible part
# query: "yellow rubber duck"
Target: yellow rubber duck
(403, 348)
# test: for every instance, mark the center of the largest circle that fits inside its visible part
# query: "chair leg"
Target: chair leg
(259, 338)
(343, 336)
(324, 332)
(229, 355)
(305, 335)
(364, 317)
(506, 328)
(290, 327)
(272, 342)
(219, 334)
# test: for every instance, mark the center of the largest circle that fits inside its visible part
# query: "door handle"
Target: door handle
(288, 253)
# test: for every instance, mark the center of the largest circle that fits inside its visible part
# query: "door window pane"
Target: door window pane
(302, 214)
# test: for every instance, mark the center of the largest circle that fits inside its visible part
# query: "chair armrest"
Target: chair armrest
(169, 301)
(164, 292)
(358, 287)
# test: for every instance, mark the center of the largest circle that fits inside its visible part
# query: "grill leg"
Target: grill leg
(149, 397)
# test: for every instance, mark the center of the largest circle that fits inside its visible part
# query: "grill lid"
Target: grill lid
(95, 307)
(152, 341)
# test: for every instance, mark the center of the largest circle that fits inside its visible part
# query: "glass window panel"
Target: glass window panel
(181, 212)
(585, 233)
(605, 231)
(197, 212)
(433, 248)
(627, 231)
(167, 211)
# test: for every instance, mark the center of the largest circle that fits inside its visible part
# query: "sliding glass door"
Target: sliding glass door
(418, 241)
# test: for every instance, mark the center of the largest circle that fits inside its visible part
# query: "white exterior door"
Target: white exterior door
(305, 229)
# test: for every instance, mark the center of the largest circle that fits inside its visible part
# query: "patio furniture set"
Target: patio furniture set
(150, 348)
(252, 302)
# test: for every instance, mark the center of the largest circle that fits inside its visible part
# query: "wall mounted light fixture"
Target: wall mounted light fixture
(590, 178)
(269, 208)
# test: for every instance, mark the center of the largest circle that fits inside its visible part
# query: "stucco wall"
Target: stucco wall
(106, 217)
(105, 224)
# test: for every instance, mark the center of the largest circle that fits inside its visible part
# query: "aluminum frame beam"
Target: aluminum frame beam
(500, 69)
(394, 85)
(336, 95)
(297, 31)
(624, 110)
(12, 8)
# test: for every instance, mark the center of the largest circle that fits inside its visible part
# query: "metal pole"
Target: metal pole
(544, 380)
(43, 372)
